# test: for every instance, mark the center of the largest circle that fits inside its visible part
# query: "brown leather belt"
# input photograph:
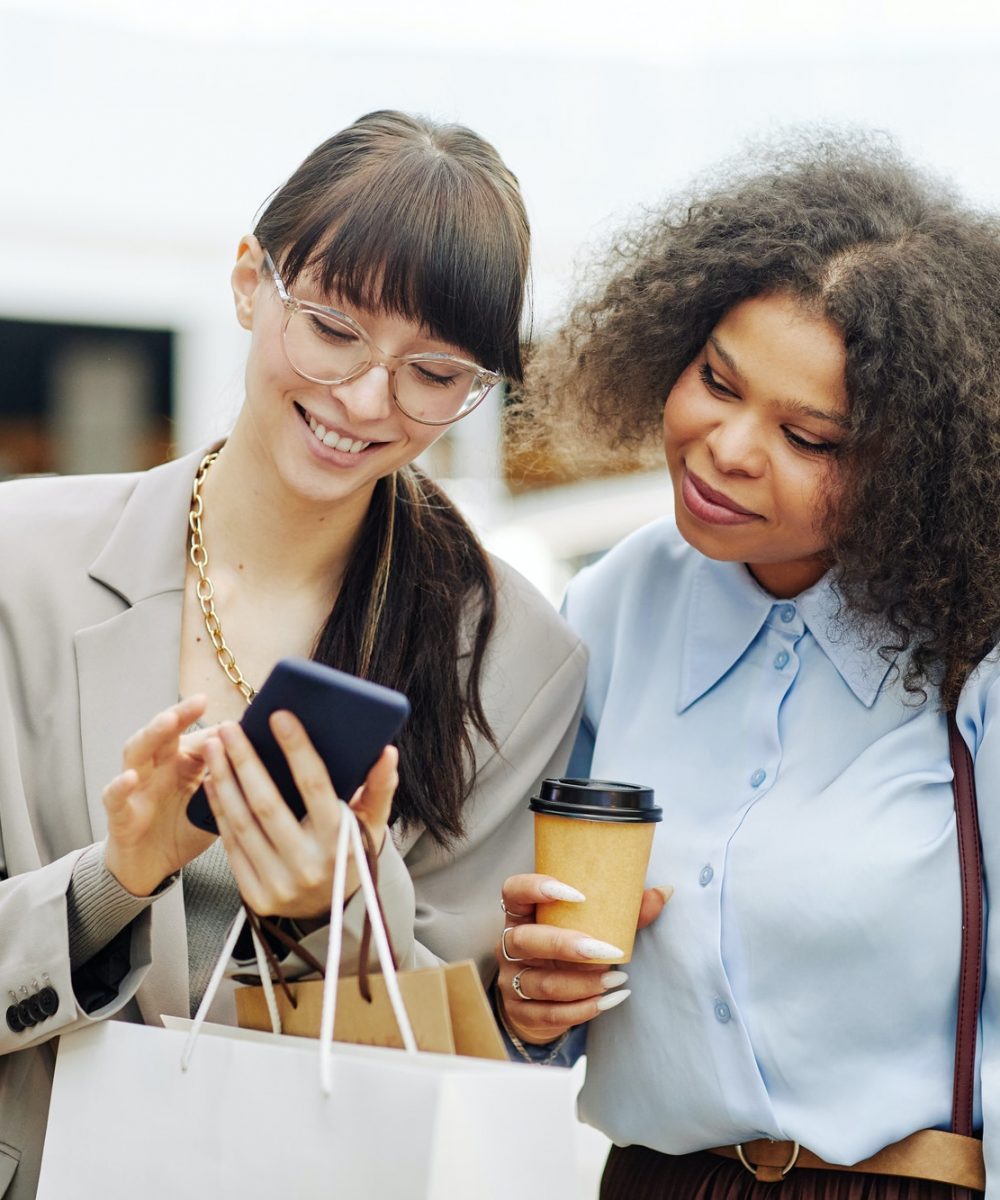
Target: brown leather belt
(929, 1154)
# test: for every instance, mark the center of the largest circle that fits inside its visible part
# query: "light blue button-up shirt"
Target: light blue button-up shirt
(802, 982)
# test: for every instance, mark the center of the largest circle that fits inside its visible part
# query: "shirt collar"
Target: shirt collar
(727, 609)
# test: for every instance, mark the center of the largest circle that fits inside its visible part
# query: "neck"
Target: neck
(258, 527)
(788, 579)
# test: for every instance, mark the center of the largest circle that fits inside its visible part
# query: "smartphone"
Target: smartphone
(349, 720)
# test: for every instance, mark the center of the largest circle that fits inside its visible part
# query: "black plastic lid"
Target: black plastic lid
(596, 800)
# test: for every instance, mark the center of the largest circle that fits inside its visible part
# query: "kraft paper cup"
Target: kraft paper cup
(595, 835)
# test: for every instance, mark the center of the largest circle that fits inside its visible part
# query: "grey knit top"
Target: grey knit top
(99, 908)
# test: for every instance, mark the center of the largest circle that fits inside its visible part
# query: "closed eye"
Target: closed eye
(713, 385)
(332, 331)
(811, 447)
(432, 374)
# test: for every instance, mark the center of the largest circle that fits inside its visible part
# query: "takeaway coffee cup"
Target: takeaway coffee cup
(595, 835)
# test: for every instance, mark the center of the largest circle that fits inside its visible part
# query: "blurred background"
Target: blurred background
(138, 141)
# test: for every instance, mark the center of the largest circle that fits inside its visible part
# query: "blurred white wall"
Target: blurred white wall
(136, 142)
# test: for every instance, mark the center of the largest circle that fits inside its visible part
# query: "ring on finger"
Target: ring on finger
(503, 946)
(509, 912)
(515, 983)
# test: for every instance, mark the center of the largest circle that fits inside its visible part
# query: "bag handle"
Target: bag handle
(274, 930)
(971, 976)
(349, 842)
(350, 833)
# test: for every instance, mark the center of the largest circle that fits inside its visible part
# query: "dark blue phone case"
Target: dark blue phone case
(349, 721)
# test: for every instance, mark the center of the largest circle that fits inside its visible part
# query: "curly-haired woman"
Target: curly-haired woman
(816, 338)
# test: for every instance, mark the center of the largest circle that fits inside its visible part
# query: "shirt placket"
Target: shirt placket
(775, 653)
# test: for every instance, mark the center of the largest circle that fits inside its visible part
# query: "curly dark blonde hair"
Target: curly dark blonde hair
(912, 279)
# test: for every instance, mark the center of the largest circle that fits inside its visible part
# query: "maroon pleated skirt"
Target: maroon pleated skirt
(638, 1173)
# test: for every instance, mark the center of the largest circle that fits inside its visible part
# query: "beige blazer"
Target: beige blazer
(90, 614)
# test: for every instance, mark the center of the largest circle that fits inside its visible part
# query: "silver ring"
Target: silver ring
(515, 983)
(509, 912)
(503, 946)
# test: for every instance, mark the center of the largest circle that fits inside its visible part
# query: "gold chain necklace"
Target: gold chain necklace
(205, 591)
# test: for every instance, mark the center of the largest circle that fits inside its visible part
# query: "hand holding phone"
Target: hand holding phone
(348, 720)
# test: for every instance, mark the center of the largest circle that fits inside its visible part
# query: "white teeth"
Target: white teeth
(335, 440)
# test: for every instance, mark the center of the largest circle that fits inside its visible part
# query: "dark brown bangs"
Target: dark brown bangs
(416, 235)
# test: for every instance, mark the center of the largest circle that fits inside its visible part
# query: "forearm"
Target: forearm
(98, 907)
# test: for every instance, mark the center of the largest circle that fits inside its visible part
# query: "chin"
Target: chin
(721, 543)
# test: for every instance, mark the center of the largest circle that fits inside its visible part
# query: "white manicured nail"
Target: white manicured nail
(552, 889)
(592, 948)
(613, 999)
(612, 979)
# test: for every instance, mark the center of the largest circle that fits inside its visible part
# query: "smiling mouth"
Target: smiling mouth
(717, 498)
(712, 507)
(331, 438)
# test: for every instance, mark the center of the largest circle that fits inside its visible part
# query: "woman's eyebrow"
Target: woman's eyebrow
(726, 357)
(806, 410)
(796, 406)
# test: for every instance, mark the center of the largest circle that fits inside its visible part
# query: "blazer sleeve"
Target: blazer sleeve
(34, 919)
(442, 904)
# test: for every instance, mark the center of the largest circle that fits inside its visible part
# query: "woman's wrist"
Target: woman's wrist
(540, 1054)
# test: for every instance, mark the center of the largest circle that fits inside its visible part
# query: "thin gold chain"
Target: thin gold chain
(205, 591)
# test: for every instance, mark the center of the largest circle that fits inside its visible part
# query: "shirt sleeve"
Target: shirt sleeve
(562, 1051)
(987, 773)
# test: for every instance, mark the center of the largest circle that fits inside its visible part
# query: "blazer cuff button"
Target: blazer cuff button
(48, 1001)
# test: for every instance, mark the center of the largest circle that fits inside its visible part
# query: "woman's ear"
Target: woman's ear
(246, 278)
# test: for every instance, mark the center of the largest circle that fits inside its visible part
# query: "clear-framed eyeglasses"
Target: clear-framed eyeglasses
(327, 346)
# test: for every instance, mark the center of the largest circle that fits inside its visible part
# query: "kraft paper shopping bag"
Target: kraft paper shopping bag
(447, 1007)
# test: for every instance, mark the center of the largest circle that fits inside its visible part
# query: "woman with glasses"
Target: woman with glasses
(382, 290)
(802, 664)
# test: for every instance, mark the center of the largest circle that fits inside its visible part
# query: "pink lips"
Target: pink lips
(712, 507)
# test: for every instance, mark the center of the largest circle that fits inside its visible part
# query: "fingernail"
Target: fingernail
(612, 979)
(552, 889)
(591, 948)
(610, 1001)
(666, 891)
(281, 723)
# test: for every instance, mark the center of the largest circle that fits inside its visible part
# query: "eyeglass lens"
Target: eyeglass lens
(328, 351)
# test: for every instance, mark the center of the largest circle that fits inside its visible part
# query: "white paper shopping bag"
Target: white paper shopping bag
(163, 1113)
(249, 1120)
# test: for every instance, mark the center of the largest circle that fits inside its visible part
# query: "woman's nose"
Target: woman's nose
(736, 446)
(368, 396)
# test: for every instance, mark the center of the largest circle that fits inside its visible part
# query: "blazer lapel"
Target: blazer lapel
(128, 669)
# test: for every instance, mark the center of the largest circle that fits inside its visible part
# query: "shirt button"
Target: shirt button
(722, 1012)
(781, 659)
(758, 777)
(787, 612)
(706, 875)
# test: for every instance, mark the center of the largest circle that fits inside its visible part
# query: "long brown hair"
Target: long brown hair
(424, 221)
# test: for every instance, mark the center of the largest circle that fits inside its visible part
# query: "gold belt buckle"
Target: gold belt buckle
(765, 1173)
